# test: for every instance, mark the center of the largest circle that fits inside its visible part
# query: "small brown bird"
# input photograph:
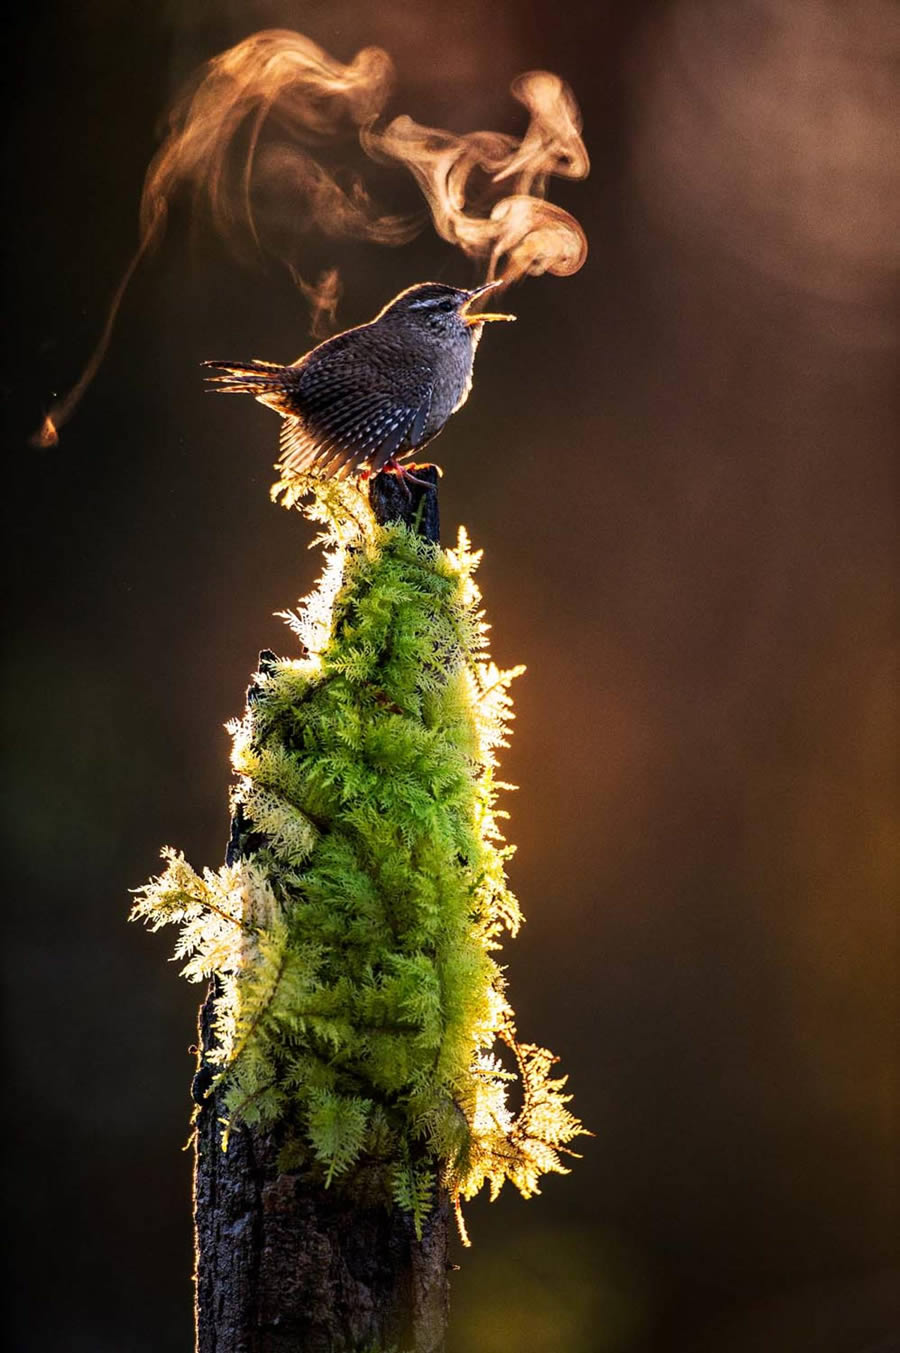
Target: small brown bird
(374, 395)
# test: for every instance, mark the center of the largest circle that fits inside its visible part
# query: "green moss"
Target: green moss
(360, 996)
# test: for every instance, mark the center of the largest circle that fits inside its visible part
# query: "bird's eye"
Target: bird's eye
(446, 306)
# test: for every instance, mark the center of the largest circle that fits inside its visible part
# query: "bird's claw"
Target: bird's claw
(406, 476)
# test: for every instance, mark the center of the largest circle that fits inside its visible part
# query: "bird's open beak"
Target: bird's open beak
(481, 317)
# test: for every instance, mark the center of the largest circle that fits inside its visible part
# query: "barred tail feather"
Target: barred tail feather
(267, 381)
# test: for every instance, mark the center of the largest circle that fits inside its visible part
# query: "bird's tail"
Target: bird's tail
(266, 381)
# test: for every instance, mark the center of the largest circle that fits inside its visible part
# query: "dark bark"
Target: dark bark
(404, 497)
(282, 1264)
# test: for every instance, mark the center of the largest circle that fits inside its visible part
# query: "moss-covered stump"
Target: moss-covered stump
(350, 1080)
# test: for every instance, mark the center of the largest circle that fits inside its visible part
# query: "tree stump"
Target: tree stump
(282, 1264)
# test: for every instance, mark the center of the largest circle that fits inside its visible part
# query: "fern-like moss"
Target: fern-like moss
(359, 995)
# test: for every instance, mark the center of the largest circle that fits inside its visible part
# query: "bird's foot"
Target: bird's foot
(406, 476)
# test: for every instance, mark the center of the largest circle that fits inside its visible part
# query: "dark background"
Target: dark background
(679, 465)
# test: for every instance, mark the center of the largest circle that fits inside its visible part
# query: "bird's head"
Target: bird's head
(439, 310)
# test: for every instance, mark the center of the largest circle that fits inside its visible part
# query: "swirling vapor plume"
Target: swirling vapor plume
(248, 137)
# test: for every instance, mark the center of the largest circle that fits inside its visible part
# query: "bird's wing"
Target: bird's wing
(342, 423)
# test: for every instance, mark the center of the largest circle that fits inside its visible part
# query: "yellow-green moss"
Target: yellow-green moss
(360, 997)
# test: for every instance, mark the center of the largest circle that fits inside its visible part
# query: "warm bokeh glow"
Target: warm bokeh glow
(769, 131)
(682, 464)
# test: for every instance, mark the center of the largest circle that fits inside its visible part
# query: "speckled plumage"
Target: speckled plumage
(373, 395)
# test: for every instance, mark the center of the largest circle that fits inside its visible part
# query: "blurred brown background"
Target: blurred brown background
(680, 464)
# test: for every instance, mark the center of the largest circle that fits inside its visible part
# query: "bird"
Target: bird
(370, 397)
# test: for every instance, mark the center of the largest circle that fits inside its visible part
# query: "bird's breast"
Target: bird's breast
(453, 381)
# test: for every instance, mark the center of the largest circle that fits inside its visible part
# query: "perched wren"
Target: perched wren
(371, 396)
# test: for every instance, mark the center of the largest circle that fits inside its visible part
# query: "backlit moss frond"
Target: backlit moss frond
(358, 997)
